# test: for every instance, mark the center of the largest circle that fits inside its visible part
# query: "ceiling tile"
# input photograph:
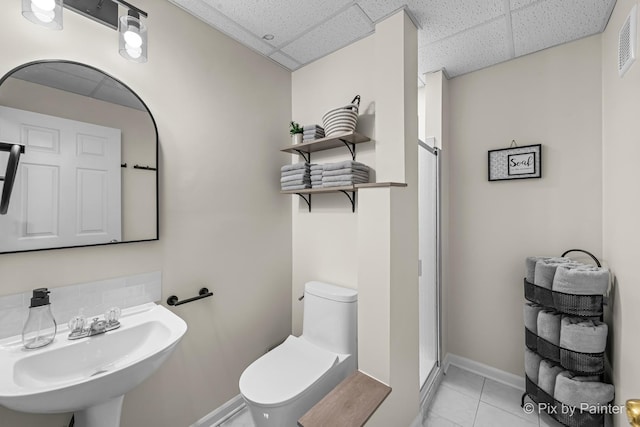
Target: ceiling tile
(285, 19)
(438, 18)
(284, 60)
(200, 9)
(338, 32)
(471, 50)
(519, 4)
(552, 22)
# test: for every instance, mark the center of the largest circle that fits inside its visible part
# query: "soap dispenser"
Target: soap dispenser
(40, 328)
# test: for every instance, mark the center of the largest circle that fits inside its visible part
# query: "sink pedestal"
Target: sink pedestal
(105, 414)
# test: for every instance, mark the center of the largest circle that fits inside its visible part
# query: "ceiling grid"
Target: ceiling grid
(459, 36)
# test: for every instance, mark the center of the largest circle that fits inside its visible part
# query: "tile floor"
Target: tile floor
(464, 399)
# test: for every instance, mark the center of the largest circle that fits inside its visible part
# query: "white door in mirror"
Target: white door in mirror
(68, 187)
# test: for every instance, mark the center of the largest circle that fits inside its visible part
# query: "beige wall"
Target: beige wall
(223, 223)
(374, 249)
(621, 204)
(552, 98)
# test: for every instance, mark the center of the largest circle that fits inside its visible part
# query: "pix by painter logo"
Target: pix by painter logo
(561, 408)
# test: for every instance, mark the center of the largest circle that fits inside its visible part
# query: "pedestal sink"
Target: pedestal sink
(89, 376)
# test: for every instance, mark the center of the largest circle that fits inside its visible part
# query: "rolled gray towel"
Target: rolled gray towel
(547, 376)
(531, 311)
(296, 177)
(546, 269)
(530, 267)
(346, 164)
(548, 325)
(573, 391)
(532, 364)
(583, 335)
(301, 165)
(581, 280)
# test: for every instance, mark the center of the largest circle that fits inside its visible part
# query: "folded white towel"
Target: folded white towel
(346, 164)
(298, 177)
(548, 325)
(530, 264)
(573, 391)
(344, 171)
(337, 184)
(294, 172)
(583, 335)
(531, 311)
(296, 187)
(316, 167)
(546, 269)
(581, 280)
(316, 184)
(301, 165)
(312, 127)
(547, 376)
(352, 178)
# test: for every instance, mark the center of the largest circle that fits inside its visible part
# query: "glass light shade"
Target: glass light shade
(47, 13)
(133, 38)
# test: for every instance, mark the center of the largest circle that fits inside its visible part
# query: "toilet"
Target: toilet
(281, 386)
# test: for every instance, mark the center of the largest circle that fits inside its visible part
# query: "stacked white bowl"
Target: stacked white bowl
(341, 120)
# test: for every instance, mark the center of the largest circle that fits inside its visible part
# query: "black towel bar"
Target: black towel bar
(204, 293)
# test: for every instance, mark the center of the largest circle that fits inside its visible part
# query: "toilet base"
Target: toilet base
(288, 414)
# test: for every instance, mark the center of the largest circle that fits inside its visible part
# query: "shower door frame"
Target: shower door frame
(435, 374)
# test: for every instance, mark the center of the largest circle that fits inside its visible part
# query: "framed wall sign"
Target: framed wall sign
(515, 163)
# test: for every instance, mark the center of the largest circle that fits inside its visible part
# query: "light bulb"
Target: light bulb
(133, 39)
(134, 52)
(44, 5)
(45, 16)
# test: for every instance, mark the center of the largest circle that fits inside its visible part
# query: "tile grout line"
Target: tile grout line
(475, 417)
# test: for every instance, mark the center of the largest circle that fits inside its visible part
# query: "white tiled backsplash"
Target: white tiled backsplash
(94, 298)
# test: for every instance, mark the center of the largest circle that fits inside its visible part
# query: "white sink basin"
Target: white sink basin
(89, 376)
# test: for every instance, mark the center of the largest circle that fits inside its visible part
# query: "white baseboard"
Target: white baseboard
(484, 370)
(221, 414)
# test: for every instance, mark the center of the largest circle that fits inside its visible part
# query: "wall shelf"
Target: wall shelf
(353, 189)
(348, 139)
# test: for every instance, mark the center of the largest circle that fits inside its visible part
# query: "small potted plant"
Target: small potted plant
(296, 132)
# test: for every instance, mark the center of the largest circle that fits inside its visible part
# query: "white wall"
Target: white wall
(621, 204)
(551, 98)
(222, 113)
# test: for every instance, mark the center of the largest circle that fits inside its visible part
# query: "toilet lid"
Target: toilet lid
(286, 371)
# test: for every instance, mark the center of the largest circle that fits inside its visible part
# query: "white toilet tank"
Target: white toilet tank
(330, 317)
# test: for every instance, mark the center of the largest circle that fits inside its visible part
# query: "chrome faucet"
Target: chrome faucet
(97, 327)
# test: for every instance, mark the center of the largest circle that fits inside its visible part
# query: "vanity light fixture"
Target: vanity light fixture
(132, 32)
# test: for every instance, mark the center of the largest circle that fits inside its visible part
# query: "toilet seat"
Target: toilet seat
(285, 372)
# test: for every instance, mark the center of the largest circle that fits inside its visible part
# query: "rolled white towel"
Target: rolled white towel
(530, 267)
(532, 364)
(548, 325)
(583, 335)
(531, 311)
(573, 391)
(547, 376)
(581, 280)
(546, 269)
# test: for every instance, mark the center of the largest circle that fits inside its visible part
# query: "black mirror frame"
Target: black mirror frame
(155, 128)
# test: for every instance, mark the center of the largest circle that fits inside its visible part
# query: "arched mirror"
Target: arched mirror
(88, 174)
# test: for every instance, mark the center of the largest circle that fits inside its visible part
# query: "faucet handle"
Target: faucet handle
(77, 323)
(112, 315)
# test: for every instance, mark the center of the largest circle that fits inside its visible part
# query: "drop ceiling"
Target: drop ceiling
(458, 36)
